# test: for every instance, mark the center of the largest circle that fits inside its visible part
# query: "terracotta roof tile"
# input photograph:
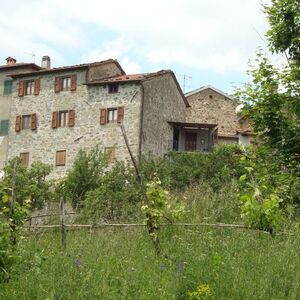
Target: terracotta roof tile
(17, 65)
(67, 68)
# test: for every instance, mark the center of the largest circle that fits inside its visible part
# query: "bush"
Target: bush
(30, 183)
(268, 189)
(178, 170)
(115, 198)
(84, 176)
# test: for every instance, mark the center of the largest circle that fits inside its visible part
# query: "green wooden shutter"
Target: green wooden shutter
(7, 87)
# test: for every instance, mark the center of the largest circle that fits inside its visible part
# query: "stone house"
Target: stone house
(218, 112)
(55, 112)
(6, 89)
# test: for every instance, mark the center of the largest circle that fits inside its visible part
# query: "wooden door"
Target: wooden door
(190, 141)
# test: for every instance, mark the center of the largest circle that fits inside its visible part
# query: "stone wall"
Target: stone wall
(86, 101)
(208, 106)
(96, 72)
(162, 103)
(5, 105)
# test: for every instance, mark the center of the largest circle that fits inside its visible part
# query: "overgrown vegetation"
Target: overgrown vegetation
(121, 264)
(258, 185)
(271, 183)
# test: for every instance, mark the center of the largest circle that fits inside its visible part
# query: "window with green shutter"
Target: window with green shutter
(4, 124)
(7, 87)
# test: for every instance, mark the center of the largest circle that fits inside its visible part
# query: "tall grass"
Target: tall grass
(121, 264)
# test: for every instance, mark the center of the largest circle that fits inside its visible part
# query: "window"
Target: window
(4, 125)
(63, 118)
(29, 87)
(7, 87)
(113, 88)
(24, 159)
(26, 122)
(65, 83)
(109, 154)
(111, 115)
(60, 158)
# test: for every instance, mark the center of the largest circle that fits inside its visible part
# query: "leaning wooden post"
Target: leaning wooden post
(62, 223)
(151, 226)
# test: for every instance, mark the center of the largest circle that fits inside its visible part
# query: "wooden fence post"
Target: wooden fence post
(62, 222)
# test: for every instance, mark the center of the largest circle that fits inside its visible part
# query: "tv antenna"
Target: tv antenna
(32, 54)
(185, 79)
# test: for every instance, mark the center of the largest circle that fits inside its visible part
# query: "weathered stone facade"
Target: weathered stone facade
(162, 104)
(43, 142)
(5, 100)
(209, 106)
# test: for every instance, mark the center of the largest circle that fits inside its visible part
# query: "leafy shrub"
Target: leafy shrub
(30, 183)
(178, 170)
(267, 190)
(116, 196)
(85, 175)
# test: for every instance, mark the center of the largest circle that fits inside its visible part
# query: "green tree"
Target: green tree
(272, 99)
(85, 175)
(30, 183)
(272, 104)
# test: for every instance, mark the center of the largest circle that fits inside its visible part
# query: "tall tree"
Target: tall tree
(272, 100)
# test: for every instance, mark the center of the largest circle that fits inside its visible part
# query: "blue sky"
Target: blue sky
(210, 41)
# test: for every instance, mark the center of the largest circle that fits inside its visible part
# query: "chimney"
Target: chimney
(10, 61)
(46, 63)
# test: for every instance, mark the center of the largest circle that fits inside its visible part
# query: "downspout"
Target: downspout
(141, 123)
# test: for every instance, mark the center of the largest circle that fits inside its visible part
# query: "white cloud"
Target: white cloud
(212, 35)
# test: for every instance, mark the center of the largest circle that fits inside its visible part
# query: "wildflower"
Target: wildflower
(77, 263)
(202, 291)
(180, 266)
(162, 267)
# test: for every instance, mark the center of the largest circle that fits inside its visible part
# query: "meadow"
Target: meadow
(121, 264)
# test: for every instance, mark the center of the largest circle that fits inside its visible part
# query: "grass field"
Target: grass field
(121, 264)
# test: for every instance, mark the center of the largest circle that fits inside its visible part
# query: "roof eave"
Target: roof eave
(111, 82)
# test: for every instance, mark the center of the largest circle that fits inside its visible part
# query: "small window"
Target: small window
(29, 87)
(4, 125)
(210, 96)
(63, 118)
(60, 158)
(65, 83)
(26, 122)
(24, 159)
(112, 115)
(109, 154)
(7, 87)
(113, 88)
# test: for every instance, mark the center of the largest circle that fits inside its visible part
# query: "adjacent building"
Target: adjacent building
(218, 111)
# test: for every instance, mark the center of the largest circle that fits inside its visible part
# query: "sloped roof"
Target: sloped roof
(19, 65)
(209, 87)
(69, 68)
